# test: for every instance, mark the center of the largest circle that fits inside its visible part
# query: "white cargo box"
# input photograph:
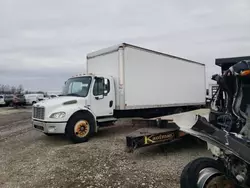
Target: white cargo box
(149, 79)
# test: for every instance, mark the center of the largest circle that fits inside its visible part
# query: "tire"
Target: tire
(77, 122)
(190, 173)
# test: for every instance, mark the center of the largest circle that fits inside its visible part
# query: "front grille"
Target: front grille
(38, 112)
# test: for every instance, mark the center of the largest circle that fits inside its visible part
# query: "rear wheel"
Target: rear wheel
(80, 127)
(204, 173)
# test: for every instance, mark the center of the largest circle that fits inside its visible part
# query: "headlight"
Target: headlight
(57, 115)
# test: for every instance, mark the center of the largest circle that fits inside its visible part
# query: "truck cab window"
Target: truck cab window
(77, 86)
(101, 86)
(106, 86)
(98, 87)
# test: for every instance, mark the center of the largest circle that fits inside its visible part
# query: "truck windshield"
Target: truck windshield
(77, 86)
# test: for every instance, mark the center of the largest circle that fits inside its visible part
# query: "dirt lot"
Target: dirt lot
(29, 158)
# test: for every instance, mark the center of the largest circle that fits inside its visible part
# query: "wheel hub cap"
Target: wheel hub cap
(220, 181)
(81, 128)
(212, 178)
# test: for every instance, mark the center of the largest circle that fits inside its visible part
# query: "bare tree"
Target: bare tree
(20, 88)
(6, 89)
(2, 88)
(13, 89)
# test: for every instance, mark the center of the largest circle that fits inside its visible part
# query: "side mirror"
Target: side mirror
(105, 87)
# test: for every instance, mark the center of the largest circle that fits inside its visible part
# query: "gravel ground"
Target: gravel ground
(29, 158)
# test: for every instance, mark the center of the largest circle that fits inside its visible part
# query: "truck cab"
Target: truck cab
(85, 99)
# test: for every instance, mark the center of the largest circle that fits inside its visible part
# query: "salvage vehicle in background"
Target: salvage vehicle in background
(226, 130)
(122, 81)
(8, 98)
(18, 100)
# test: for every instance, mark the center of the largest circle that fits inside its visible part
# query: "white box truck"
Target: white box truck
(122, 81)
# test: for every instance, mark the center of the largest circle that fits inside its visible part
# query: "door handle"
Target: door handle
(110, 104)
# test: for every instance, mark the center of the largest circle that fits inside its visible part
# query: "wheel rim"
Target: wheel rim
(81, 128)
(212, 178)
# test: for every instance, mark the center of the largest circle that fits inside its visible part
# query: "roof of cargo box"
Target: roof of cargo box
(123, 45)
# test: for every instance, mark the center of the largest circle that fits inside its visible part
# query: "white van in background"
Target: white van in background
(33, 98)
(2, 101)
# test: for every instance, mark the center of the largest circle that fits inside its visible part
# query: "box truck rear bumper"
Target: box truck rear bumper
(50, 127)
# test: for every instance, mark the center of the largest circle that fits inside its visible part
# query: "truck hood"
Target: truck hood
(59, 101)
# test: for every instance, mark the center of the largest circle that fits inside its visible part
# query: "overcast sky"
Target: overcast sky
(43, 42)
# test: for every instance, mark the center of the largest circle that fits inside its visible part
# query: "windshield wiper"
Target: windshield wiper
(73, 94)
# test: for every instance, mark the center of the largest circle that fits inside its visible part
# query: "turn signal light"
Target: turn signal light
(245, 73)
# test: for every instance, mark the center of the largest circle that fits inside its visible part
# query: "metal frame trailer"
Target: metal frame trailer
(156, 131)
(160, 130)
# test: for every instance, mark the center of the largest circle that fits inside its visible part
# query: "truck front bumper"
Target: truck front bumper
(49, 127)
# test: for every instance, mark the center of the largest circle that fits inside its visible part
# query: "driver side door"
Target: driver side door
(102, 102)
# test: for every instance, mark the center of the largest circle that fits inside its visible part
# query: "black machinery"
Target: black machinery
(227, 131)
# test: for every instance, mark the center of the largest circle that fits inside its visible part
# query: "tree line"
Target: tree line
(7, 89)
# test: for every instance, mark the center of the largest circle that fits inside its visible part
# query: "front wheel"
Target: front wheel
(204, 173)
(80, 127)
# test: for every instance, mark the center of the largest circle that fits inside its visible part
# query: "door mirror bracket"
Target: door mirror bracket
(99, 97)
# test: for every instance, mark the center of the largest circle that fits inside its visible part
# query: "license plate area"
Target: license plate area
(38, 125)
